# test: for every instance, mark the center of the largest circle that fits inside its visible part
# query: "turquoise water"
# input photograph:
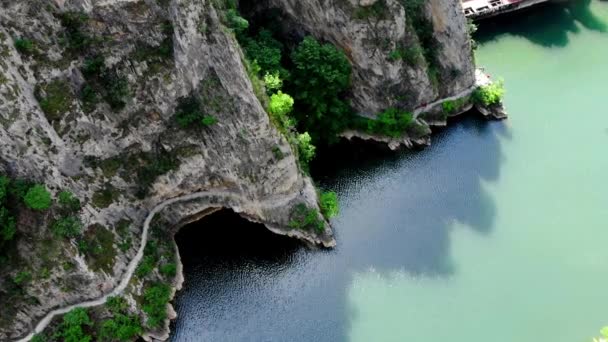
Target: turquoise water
(498, 232)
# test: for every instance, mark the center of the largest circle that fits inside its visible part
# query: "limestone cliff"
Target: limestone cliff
(98, 153)
(405, 53)
(88, 96)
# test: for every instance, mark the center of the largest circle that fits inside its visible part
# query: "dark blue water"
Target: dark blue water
(396, 207)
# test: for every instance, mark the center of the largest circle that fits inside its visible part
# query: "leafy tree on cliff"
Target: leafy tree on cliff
(38, 197)
(320, 79)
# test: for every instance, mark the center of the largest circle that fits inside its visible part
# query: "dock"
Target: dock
(481, 9)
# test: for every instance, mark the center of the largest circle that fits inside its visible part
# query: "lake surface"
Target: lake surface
(498, 232)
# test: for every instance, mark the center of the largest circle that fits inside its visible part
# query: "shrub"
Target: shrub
(391, 122)
(121, 328)
(490, 94)
(378, 10)
(429, 46)
(155, 303)
(68, 201)
(154, 165)
(281, 104)
(168, 270)
(328, 201)
(24, 46)
(146, 266)
(116, 89)
(235, 22)
(8, 226)
(305, 148)
(57, 99)
(67, 227)
(273, 81)
(189, 114)
(71, 329)
(117, 304)
(38, 198)
(22, 278)
(321, 76)
(93, 66)
(159, 54)
(448, 106)
(411, 55)
(265, 51)
(77, 39)
(303, 217)
(89, 98)
(103, 198)
(39, 338)
(278, 154)
(4, 187)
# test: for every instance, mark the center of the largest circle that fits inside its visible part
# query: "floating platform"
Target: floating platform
(480, 9)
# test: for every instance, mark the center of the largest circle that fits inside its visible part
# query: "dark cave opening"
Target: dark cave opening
(224, 240)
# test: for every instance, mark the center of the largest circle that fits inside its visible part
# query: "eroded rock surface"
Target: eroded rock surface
(101, 150)
(122, 152)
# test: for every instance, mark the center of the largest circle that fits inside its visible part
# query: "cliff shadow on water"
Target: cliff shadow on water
(398, 210)
(547, 25)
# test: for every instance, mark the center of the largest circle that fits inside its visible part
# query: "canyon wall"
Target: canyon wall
(88, 96)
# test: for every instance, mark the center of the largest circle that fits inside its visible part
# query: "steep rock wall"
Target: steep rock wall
(403, 55)
(100, 150)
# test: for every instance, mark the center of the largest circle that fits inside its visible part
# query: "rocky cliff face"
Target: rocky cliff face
(99, 153)
(87, 104)
(405, 53)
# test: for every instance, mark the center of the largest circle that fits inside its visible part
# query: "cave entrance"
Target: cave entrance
(226, 239)
(227, 261)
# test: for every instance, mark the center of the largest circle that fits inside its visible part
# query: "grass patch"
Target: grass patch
(55, 99)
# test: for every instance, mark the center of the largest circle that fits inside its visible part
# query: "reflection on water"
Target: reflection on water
(548, 25)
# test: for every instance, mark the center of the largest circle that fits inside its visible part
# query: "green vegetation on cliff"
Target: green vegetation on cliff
(189, 114)
(328, 201)
(490, 94)
(156, 298)
(320, 79)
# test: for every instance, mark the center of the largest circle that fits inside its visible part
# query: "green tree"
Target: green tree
(320, 79)
(490, 94)
(71, 329)
(38, 197)
(305, 148)
(281, 104)
(273, 81)
(265, 51)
